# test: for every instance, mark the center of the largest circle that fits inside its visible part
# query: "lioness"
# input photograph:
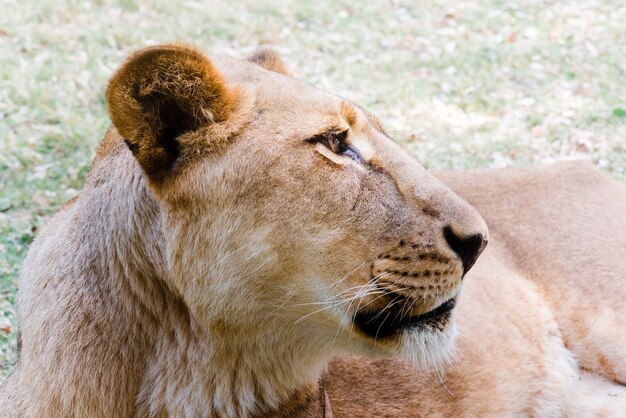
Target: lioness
(239, 229)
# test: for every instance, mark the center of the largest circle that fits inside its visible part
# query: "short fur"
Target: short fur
(218, 254)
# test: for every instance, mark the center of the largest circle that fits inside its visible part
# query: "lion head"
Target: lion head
(290, 216)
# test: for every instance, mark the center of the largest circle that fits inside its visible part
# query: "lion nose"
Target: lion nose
(468, 247)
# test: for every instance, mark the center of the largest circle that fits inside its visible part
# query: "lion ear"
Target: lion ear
(161, 93)
(269, 59)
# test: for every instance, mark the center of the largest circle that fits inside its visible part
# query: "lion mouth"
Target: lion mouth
(389, 321)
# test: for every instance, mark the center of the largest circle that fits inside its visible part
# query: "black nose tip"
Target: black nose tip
(467, 248)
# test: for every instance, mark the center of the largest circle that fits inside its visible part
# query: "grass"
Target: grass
(462, 83)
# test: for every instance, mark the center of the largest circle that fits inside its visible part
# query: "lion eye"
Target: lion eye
(336, 141)
(334, 144)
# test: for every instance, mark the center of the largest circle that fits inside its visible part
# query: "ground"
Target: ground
(462, 84)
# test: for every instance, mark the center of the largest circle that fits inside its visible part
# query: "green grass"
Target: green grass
(462, 83)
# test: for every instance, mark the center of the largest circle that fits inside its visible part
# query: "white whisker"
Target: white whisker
(337, 303)
(332, 286)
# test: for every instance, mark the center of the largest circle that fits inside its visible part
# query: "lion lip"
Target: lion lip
(445, 307)
(380, 324)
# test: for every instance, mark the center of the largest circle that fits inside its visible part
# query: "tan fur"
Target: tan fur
(269, 59)
(216, 258)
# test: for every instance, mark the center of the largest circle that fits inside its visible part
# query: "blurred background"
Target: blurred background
(462, 84)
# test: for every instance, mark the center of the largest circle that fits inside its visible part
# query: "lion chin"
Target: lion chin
(425, 341)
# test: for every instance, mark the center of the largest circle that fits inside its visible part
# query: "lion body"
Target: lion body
(185, 279)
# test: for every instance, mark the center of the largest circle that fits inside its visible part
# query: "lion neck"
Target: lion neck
(188, 368)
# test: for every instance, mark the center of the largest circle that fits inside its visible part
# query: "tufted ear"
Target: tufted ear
(269, 59)
(161, 93)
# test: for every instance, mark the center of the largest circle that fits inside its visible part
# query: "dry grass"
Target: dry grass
(462, 83)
